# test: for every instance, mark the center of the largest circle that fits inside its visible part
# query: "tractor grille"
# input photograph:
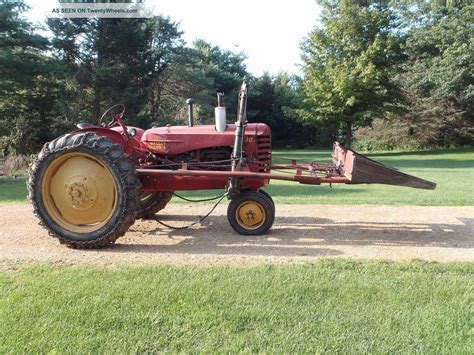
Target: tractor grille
(264, 152)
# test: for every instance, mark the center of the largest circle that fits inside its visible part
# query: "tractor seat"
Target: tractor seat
(84, 125)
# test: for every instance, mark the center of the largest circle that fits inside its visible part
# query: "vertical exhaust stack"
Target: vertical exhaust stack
(220, 113)
(190, 102)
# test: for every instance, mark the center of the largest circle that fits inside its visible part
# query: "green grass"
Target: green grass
(331, 306)
(12, 190)
(451, 169)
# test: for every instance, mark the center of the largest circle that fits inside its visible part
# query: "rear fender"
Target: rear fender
(114, 136)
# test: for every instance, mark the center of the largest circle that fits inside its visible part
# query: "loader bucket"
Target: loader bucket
(362, 170)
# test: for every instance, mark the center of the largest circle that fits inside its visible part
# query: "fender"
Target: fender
(114, 136)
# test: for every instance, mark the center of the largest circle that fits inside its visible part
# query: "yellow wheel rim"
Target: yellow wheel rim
(250, 215)
(79, 192)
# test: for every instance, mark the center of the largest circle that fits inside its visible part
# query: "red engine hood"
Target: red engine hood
(180, 139)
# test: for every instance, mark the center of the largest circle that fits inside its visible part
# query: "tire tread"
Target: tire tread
(108, 151)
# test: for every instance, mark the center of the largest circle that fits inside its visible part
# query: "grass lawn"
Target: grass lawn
(330, 306)
(451, 169)
(12, 190)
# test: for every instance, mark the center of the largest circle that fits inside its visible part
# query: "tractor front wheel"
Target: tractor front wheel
(251, 213)
(269, 197)
(84, 190)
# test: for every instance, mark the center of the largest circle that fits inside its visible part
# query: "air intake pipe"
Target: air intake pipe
(220, 113)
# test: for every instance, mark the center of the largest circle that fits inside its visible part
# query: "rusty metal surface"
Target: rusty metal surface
(362, 170)
(304, 179)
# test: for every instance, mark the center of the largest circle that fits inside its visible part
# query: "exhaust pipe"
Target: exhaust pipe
(220, 113)
(190, 102)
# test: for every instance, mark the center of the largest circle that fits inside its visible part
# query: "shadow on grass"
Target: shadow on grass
(297, 236)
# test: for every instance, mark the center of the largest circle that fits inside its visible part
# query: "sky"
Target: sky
(269, 32)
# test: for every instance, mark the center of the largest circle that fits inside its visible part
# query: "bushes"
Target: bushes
(429, 128)
(16, 165)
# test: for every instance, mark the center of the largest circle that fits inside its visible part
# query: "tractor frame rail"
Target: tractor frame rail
(348, 167)
(303, 179)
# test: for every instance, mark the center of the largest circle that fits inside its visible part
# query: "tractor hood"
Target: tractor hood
(181, 139)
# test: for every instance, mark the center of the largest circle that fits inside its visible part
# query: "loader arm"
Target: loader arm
(359, 169)
(348, 167)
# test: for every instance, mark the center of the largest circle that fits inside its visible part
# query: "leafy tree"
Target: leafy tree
(26, 90)
(273, 100)
(439, 77)
(217, 70)
(436, 80)
(350, 62)
(118, 60)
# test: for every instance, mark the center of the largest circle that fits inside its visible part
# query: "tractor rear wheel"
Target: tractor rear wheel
(153, 202)
(251, 213)
(84, 190)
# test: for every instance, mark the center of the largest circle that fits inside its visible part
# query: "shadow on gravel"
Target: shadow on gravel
(294, 236)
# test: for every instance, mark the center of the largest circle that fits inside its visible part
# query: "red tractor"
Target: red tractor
(88, 187)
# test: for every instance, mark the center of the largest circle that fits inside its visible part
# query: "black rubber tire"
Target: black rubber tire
(269, 197)
(122, 170)
(155, 203)
(259, 198)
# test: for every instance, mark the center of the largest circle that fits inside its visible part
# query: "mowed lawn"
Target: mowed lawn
(451, 169)
(330, 306)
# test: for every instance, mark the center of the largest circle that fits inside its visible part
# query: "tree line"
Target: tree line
(385, 74)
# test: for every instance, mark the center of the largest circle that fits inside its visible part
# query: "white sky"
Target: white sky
(269, 32)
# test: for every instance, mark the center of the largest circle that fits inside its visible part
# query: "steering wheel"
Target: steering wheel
(116, 117)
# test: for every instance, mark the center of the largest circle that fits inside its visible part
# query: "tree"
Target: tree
(273, 100)
(350, 62)
(26, 90)
(218, 70)
(439, 72)
(118, 60)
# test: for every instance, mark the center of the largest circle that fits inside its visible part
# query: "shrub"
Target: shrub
(16, 165)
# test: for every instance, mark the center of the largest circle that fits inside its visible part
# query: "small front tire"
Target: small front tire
(251, 213)
(269, 197)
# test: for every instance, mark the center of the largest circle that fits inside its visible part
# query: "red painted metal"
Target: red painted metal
(172, 182)
(172, 144)
(130, 145)
(165, 180)
(171, 158)
(314, 180)
(180, 139)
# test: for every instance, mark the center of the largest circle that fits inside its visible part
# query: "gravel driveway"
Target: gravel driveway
(300, 233)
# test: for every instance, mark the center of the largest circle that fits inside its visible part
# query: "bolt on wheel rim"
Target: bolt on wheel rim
(250, 215)
(79, 192)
